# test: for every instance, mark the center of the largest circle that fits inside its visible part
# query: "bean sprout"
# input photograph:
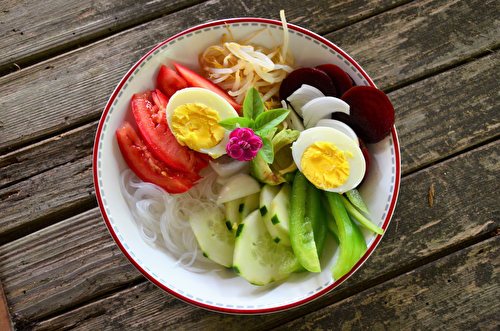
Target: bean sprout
(237, 67)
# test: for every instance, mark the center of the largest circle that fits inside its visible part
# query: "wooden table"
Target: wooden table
(438, 265)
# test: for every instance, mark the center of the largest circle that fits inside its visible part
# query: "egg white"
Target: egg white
(210, 99)
(341, 126)
(342, 142)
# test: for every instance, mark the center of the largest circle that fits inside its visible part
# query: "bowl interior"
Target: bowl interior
(221, 289)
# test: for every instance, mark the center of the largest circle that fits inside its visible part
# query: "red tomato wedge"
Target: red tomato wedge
(168, 81)
(145, 165)
(195, 80)
(152, 123)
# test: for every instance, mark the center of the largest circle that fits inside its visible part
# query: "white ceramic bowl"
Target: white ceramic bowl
(215, 290)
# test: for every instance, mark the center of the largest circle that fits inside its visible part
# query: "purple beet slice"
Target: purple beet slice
(371, 113)
(309, 76)
(339, 77)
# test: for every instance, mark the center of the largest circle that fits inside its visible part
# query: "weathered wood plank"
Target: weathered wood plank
(414, 41)
(448, 113)
(409, 240)
(45, 155)
(33, 30)
(458, 292)
(61, 25)
(46, 198)
(64, 97)
(66, 264)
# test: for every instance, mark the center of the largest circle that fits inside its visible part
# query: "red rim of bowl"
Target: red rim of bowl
(223, 309)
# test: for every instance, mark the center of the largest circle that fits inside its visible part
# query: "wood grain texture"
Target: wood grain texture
(448, 113)
(47, 154)
(456, 292)
(66, 264)
(32, 30)
(408, 241)
(61, 103)
(46, 198)
(424, 37)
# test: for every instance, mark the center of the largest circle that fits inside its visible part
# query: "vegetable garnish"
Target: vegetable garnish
(243, 144)
(259, 121)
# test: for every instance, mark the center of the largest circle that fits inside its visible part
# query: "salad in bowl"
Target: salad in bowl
(247, 165)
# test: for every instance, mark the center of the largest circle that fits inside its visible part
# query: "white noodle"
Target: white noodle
(162, 218)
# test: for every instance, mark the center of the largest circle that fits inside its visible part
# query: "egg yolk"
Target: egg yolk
(197, 126)
(325, 165)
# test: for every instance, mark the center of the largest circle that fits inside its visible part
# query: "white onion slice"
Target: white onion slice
(226, 168)
(303, 95)
(221, 180)
(238, 186)
(293, 120)
(323, 107)
(341, 126)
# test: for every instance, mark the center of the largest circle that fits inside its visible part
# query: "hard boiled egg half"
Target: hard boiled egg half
(193, 115)
(329, 159)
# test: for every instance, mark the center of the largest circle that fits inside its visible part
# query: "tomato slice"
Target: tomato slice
(145, 165)
(152, 123)
(168, 81)
(195, 80)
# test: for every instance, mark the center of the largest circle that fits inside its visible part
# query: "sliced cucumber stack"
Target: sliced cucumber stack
(267, 194)
(280, 214)
(257, 258)
(232, 212)
(249, 204)
(214, 238)
(238, 209)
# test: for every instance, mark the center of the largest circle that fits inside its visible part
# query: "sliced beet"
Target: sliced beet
(309, 76)
(339, 77)
(371, 113)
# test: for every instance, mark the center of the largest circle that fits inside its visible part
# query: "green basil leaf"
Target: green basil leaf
(270, 119)
(231, 123)
(253, 105)
(267, 150)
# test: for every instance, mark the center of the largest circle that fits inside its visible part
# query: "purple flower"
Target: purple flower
(243, 144)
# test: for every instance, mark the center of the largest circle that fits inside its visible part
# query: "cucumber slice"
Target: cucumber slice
(232, 213)
(238, 209)
(215, 240)
(280, 214)
(257, 258)
(267, 194)
(249, 204)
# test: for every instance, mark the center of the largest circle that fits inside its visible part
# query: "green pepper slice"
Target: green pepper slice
(352, 244)
(302, 223)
